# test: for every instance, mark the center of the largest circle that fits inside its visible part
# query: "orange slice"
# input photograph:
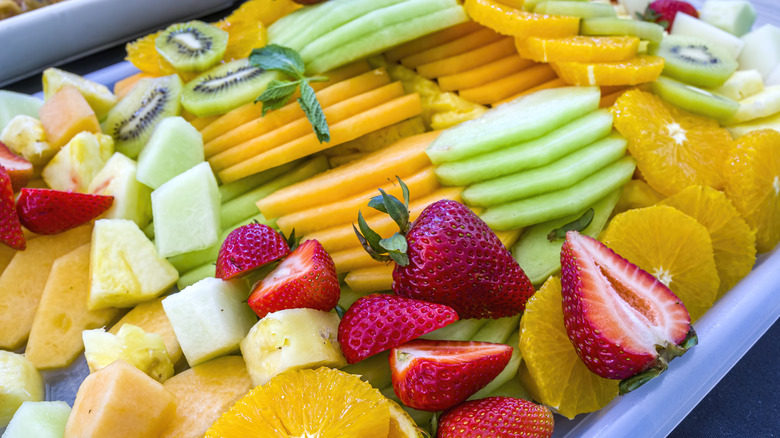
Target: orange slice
(673, 148)
(638, 70)
(507, 20)
(578, 48)
(637, 194)
(752, 173)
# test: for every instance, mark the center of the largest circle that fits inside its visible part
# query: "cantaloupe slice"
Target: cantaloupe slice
(463, 44)
(502, 88)
(151, 317)
(484, 73)
(120, 400)
(205, 392)
(431, 40)
(55, 338)
(66, 114)
(469, 60)
(554, 83)
(24, 279)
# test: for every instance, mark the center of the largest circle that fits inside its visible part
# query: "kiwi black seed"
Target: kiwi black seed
(192, 46)
(695, 61)
(225, 87)
(131, 121)
(694, 99)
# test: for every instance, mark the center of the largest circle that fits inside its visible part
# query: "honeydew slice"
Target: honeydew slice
(174, 147)
(39, 420)
(13, 104)
(132, 200)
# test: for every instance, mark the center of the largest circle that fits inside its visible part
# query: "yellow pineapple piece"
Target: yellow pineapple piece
(20, 382)
(77, 163)
(145, 351)
(151, 317)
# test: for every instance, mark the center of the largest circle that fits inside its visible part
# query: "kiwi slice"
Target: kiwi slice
(694, 99)
(694, 61)
(643, 30)
(225, 87)
(131, 121)
(575, 9)
(192, 46)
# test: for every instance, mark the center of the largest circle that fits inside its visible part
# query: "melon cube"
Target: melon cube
(150, 316)
(145, 351)
(19, 382)
(175, 146)
(686, 25)
(13, 104)
(762, 50)
(210, 318)
(120, 400)
(124, 267)
(39, 420)
(734, 16)
(24, 135)
(65, 114)
(132, 200)
(185, 211)
(76, 164)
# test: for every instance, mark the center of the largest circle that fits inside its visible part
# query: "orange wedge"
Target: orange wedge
(638, 70)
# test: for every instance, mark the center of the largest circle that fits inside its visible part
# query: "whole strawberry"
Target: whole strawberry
(623, 322)
(437, 375)
(663, 12)
(10, 229)
(249, 247)
(448, 256)
(306, 278)
(504, 417)
(46, 211)
(379, 322)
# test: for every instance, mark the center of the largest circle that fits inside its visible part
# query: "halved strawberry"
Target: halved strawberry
(305, 278)
(496, 416)
(10, 229)
(249, 247)
(437, 375)
(379, 322)
(19, 169)
(664, 12)
(46, 211)
(623, 322)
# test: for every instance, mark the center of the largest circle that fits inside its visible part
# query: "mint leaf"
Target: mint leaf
(578, 224)
(279, 58)
(277, 94)
(311, 106)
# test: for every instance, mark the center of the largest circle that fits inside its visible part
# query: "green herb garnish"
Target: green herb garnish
(578, 224)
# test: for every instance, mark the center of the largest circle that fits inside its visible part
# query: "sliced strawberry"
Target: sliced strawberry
(247, 248)
(19, 169)
(494, 417)
(437, 375)
(46, 211)
(379, 322)
(305, 278)
(621, 320)
(10, 229)
(663, 12)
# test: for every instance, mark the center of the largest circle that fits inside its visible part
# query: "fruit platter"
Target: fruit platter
(397, 218)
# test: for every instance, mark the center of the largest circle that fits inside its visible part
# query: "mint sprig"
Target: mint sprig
(278, 92)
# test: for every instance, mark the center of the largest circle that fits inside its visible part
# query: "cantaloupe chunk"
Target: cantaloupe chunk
(55, 338)
(66, 114)
(24, 279)
(205, 392)
(151, 317)
(120, 400)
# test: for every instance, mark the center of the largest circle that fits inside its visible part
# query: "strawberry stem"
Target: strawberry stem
(394, 247)
(665, 355)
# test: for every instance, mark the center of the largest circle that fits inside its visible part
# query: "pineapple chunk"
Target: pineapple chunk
(25, 136)
(19, 382)
(145, 351)
(292, 339)
(77, 163)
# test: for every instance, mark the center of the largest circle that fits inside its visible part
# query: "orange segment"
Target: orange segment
(578, 48)
(551, 371)
(507, 20)
(752, 173)
(643, 68)
(673, 247)
(637, 194)
(243, 35)
(673, 148)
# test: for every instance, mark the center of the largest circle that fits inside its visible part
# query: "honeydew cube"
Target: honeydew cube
(175, 146)
(734, 16)
(210, 318)
(762, 50)
(686, 25)
(145, 351)
(124, 267)
(292, 339)
(13, 104)
(19, 382)
(120, 400)
(185, 211)
(39, 420)
(77, 163)
(132, 200)
(25, 136)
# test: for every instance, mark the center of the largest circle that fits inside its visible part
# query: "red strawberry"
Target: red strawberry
(305, 278)
(10, 229)
(664, 11)
(249, 247)
(379, 322)
(496, 416)
(46, 211)
(437, 375)
(449, 256)
(19, 169)
(621, 320)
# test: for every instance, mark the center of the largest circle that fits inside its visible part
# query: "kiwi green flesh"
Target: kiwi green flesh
(133, 119)
(694, 99)
(620, 26)
(192, 46)
(225, 87)
(575, 9)
(694, 61)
